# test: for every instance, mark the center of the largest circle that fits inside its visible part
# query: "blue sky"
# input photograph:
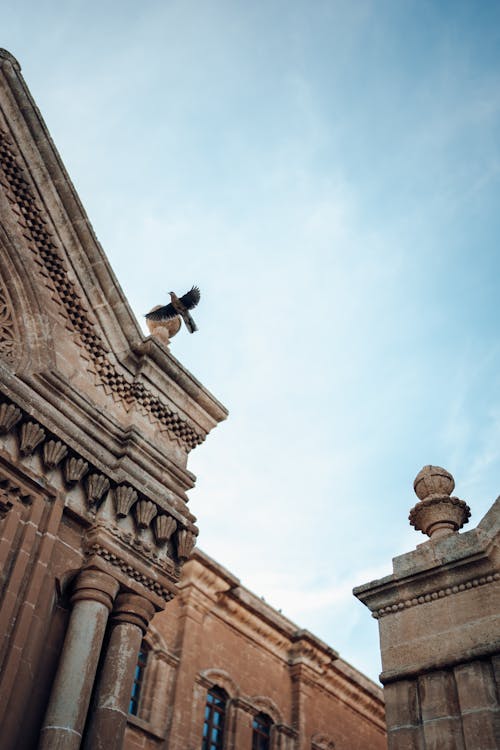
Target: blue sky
(329, 174)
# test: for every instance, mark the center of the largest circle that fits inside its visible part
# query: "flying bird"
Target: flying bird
(178, 306)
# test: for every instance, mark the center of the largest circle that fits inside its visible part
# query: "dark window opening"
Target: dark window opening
(140, 671)
(261, 736)
(213, 726)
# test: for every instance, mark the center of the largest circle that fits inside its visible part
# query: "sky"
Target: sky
(328, 173)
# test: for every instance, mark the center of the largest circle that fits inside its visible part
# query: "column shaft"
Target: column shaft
(110, 709)
(69, 700)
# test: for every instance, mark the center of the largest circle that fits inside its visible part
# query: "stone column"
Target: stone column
(130, 619)
(69, 700)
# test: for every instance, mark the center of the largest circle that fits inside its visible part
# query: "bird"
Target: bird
(178, 306)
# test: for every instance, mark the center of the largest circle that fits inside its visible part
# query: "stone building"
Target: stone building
(96, 425)
(439, 623)
(220, 662)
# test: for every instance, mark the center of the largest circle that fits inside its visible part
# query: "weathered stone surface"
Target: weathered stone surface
(439, 621)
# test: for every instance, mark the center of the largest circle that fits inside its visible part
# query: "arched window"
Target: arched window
(140, 671)
(261, 736)
(213, 726)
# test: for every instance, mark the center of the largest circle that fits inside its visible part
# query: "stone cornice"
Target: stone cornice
(123, 380)
(438, 569)
(106, 500)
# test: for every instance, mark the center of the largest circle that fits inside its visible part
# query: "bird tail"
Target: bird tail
(190, 324)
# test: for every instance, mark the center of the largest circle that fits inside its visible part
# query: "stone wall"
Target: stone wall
(439, 622)
(217, 633)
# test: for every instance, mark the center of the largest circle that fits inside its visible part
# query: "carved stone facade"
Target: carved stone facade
(216, 634)
(96, 424)
(439, 621)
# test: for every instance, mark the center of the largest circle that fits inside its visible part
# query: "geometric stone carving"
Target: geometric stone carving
(53, 453)
(75, 469)
(9, 416)
(437, 514)
(164, 526)
(124, 498)
(31, 435)
(97, 486)
(186, 541)
(145, 511)
(10, 348)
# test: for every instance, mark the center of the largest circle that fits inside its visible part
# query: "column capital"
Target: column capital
(133, 609)
(96, 586)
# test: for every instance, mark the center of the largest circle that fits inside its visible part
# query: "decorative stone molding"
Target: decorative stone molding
(210, 677)
(126, 567)
(97, 486)
(145, 511)
(437, 594)
(10, 345)
(437, 514)
(263, 704)
(124, 498)
(31, 436)
(186, 541)
(53, 453)
(9, 417)
(49, 257)
(75, 469)
(164, 526)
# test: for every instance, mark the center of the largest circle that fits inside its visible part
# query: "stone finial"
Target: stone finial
(163, 329)
(437, 514)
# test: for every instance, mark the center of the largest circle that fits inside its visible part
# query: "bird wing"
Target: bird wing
(163, 313)
(191, 298)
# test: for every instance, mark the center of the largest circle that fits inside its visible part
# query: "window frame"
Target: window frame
(215, 693)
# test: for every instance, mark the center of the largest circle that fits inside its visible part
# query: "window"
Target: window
(140, 670)
(261, 736)
(213, 727)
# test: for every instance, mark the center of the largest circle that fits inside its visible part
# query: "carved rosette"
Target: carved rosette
(186, 541)
(31, 436)
(97, 486)
(10, 347)
(75, 469)
(164, 526)
(124, 498)
(9, 417)
(145, 511)
(53, 453)
(437, 514)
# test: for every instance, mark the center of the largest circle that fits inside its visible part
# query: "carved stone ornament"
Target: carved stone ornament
(163, 330)
(97, 486)
(124, 498)
(9, 416)
(437, 514)
(10, 348)
(75, 469)
(164, 526)
(186, 541)
(53, 453)
(31, 436)
(145, 511)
